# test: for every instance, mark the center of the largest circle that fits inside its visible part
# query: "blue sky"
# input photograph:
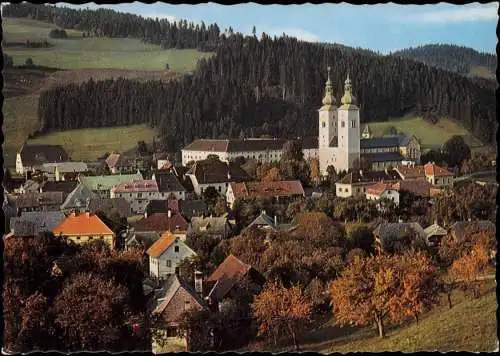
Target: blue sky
(380, 27)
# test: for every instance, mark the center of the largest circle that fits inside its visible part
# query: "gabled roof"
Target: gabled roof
(161, 245)
(176, 295)
(408, 172)
(37, 199)
(434, 230)
(383, 157)
(106, 205)
(432, 169)
(63, 167)
(32, 186)
(107, 182)
(267, 189)
(157, 206)
(200, 224)
(379, 142)
(370, 176)
(419, 187)
(60, 186)
(33, 155)
(161, 222)
(82, 224)
(386, 231)
(190, 208)
(460, 228)
(168, 182)
(380, 187)
(112, 160)
(263, 220)
(229, 268)
(78, 198)
(215, 171)
(147, 238)
(145, 185)
(33, 222)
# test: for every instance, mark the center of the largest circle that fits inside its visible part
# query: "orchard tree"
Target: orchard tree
(469, 267)
(315, 174)
(281, 310)
(271, 175)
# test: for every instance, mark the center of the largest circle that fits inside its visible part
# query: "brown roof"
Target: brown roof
(408, 172)
(168, 182)
(216, 171)
(379, 187)
(106, 205)
(418, 187)
(432, 169)
(265, 189)
(161, 222)
(161, 245)
(231, 266)
(32, 155)
(371, 176)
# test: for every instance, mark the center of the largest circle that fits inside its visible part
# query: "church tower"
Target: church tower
(348, 129)
(327, 116)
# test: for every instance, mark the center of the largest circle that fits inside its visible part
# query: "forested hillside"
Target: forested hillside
(458, 59)
(261, 86)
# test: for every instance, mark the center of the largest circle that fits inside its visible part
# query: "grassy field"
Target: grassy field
(78, 52)
(431, 136)
(88, 144)
(469, 326)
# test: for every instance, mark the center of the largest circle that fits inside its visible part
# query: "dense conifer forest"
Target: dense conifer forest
(252, 85)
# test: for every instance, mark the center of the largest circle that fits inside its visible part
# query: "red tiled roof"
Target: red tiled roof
(416, 186)
(112, 160)
(173, 204)
(379, 187)
(231, 267)
(136, 186)
(161, 245)
(369, 177)
(262, 189)
(408, 172)
(82, 224)
(161, 222)
(435, 170)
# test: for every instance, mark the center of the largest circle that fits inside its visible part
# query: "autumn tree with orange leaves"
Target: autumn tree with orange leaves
(384, 290)
(281, 310)
(469, 267)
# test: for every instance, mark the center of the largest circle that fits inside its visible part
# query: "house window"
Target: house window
(168, 263)
(353, 124)
(323, 124)
(102, 237)
(220, 189)
(91, 237)
(171, 332)
(139, 195)
(78, 237)
(176, 249)
(342, 124)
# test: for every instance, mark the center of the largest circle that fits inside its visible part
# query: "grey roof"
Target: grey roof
(383, 156)
(168, 182)
(389, 232)
(37, 199)
(60, 186)
(32, 223)
(33, 155)
(78, 198)
(263, 220)
(434, 230)
(379, 142)
(460, 227)
(190, 208)
(215, 171)
(106, 205)
(211, 225)
(169, 292)
(147, 238)
(63, 167)
(31, 186)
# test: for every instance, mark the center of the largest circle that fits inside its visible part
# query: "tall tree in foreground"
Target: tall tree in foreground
(455, 151)
(383, 289)
(281, 310)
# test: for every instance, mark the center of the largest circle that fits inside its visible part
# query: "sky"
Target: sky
(382, 27)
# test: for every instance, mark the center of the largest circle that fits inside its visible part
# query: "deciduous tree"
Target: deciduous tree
(469, 267)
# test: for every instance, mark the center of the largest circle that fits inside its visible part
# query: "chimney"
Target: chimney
(87, 213)
(73, 213)
(169, 213)
(198, 283)
(145, 214)
(361, 172)
(264, 212)
(275, 220)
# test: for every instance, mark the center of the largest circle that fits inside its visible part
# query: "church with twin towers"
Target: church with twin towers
(340, 141)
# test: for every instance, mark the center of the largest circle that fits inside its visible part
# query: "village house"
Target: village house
(418, 187)
(61, 171)
(191, 208)
(171, 222)
(31, 156)
(460, 229)
(169, 185)
(78, 199)
(214, 173)
(431, 172)
(35, 222)
(137, 193)
(140, 239)
(383, 190)
(47, 201)
(162, 206)
(357, 182)
(225, 279)
(118, 163)
(174, 298)
(390, 237)
(282, 191)
(102, 185)
(166, 254)
(215, 227)
(110, 206)
(266, 223)
(405, 147)
(85, 227)
(434, 234)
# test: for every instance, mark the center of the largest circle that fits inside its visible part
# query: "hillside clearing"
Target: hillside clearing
(88, 144)
(431, 136)
(79, 52)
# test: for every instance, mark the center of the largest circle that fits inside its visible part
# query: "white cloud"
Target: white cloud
(461, 13)
(169, 18)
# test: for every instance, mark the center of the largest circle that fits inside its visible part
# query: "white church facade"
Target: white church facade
(338, 144)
